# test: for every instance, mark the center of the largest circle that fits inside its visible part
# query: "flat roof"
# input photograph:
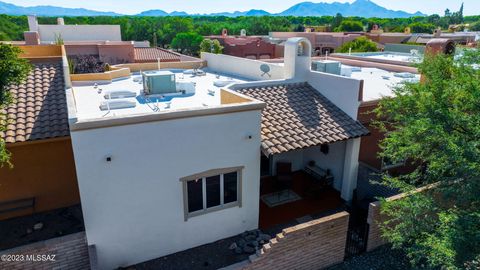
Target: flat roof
(378, 83)
(198, 91)
(384, 56)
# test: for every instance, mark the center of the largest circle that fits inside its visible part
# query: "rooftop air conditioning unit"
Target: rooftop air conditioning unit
(327, 66)
(159, 82)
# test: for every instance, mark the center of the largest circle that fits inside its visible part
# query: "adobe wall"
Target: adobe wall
(66, 252)
(312, 245)
(42, 170)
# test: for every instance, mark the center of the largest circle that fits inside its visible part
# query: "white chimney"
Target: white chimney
(298, 58)
(60, 21)
(32, 23)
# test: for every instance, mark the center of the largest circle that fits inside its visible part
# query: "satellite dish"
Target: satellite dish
(265, 69)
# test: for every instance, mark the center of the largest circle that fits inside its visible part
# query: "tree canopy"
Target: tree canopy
(13, 70)
(435, 125)
(361, 44)
(187, 43)
(211, 46)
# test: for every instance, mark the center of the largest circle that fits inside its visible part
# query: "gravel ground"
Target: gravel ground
(207, 257)
(20, 231)
(379, 259)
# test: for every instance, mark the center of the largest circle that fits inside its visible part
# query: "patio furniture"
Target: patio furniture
(322, 179)
(320, 174)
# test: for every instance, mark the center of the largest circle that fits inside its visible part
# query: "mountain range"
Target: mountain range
(361, 8)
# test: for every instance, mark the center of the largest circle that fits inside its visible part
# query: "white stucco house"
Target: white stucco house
(173, 162)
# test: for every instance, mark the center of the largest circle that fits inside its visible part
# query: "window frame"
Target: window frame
(203, 176)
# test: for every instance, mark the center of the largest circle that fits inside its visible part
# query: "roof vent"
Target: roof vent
(119, 94)
(117, 104)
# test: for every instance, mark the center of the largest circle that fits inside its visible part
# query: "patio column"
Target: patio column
(350, 168)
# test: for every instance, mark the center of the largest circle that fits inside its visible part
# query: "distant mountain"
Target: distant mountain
(11, 9)
(361, 8)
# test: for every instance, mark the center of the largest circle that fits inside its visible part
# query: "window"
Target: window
(212, 191)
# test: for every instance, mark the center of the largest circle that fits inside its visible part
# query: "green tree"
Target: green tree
(13, 70)
(211, 46)
(436, 125)
(187, 43)
(419, 27)
(349, 26)
(361, 44)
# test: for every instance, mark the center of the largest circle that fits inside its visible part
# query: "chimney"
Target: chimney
(60, 21)
(438, 46)
(32, 23)
(297, 58)
(243, 33)
(224, 32)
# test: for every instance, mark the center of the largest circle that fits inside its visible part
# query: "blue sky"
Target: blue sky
(472, 7)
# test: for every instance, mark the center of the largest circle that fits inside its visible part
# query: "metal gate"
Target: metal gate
(356, 240)
(357, 234)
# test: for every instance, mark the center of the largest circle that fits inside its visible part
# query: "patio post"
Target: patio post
(350, 169)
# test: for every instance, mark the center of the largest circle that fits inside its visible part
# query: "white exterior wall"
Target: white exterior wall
(342, 91)
(133, 206)
(242, 67)
(79, 32)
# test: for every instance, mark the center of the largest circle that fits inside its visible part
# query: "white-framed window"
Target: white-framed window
(212, 190)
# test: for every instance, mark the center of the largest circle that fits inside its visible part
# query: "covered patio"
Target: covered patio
(314, 201)
(310, 153)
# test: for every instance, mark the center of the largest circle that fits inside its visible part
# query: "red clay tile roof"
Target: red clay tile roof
(297, 116)
(146, 55)
(39, 110)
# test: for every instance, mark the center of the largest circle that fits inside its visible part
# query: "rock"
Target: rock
(248, 249)
(38, 226)
(241, 243)
(29, 231)
(233, 246)
(254, 243)
(244, 234)
(264, 237)
(250, 238)
(238, 250)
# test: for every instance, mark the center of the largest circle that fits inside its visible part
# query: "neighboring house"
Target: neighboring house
(322, 42)
(157, 171)
(38, 137)
(102, 41)
(251, 47)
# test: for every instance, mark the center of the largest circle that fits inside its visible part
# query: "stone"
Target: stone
(233, 246)
(241, 243)
(29, 231)
(250, 238)
(238, 250)
(38, 226)
(264, 237)
(248, 249)
(254, 243)
(244, 234)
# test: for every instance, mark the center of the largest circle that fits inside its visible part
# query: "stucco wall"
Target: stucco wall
(45, 171)
(48, 33)
(246, 68)
(133, 206)
(341, 91)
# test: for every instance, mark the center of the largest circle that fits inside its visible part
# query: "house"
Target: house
(322, 42)
(104, 42)
(162, 156)
(37, 135)
(252, 47)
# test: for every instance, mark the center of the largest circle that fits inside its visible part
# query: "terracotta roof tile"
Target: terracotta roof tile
(297, 116)
(39, 108)
(146, 55)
